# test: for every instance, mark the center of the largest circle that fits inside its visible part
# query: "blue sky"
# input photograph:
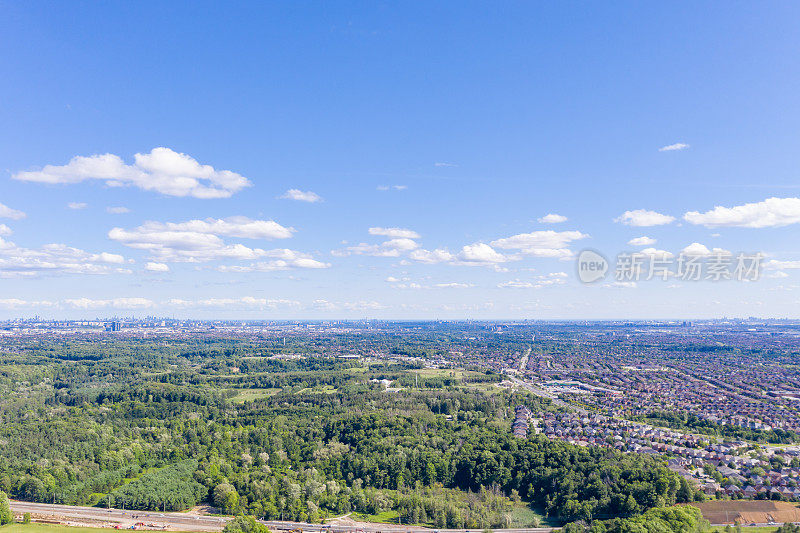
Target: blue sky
(450, 129)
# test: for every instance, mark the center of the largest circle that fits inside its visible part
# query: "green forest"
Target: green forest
(166, 426)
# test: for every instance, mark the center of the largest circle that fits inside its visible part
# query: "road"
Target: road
(523, 362)
(533, 389)
(186, 522)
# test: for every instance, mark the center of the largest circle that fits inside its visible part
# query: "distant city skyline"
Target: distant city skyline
(414, 161)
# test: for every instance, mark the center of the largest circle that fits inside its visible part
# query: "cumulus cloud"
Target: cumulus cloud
(19, 262)
(5, 231)
(162, 170)
(242, 302)
(453, 285)
(7, 212)
(281, 259)
(480, 253)
(443, 164)
(697, 249)
(653, 253)
(477, 254)
(117, 210)
(77, 205)
(547, 243)
(552, 218)
(16, 303)
(198, 241)
(620, 285)
(673, 147)
(643, 218)
(392, 187)
(537, 282)
(389, 248)
(402, 243)
(771, 213)
(642, 241)
(117, 303)
(430, 257)
(302, 196)
(782, 265)
(156, 267)
(395, 233)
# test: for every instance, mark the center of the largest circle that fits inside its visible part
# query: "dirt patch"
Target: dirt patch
(748, 511)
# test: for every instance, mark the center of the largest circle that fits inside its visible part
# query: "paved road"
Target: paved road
(538, 391)
(186, 522)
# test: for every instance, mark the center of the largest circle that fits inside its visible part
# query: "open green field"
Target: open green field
(386, 517)
(246, 395)
(440, 372)
(521, 516)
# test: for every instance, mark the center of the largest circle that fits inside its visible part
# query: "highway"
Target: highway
(186, 522)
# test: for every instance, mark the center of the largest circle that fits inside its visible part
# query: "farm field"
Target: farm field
(748, 511)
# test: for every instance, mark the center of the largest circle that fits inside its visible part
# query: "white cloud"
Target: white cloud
(282, 259)
(552, 218)
(156, 267)
(16, 262)
(477, 254)
(406, 283)
(395, 233)
(392, 187)
(653, 253)
(245, 302)
(117, 210)
(480, 253)
(199, 240)
(516, 284)
(673, 147)
(362, 306)
(162, 170)
(445, 164)
(547, 243)
(782, 265)
(390, 248)
(778, 274)
(537, 282)
(117, 303)
(77, 205)
(642, 241)
(770, 213)
(620, 285)
(15, 303)
(5, 231)
(697, 249)
(411, 285)
(301, 196)
(643, 217)
(7, 212)
(432, 256)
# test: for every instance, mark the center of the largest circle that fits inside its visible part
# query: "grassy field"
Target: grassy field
(246, 395)
(440, 372)
(524, 516)
(386, 517)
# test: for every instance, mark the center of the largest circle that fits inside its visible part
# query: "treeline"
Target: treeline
(692, 423)
(678, 519)
(168, 489)
(166, 436)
